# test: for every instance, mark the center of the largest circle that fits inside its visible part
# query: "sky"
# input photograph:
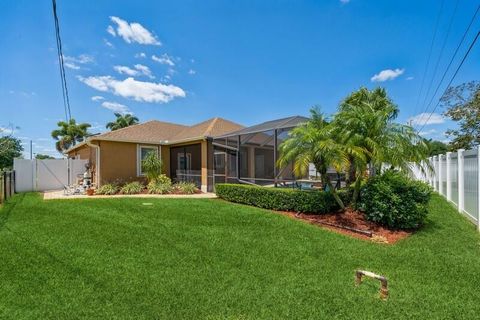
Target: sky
(246, 61)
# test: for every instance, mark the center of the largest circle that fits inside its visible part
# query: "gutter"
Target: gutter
(97, 159)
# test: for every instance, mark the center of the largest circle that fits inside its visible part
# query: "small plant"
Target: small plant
(185, 187)
(152, 166)
(132, 188)
(163, 179)
(156, 187)
(107, 189)
(396, 201)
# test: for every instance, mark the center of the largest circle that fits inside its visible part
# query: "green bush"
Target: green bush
(396, 201)
(185, 187)
(312, 201)
(157, 187)
(132, 188)
(107, 189)
(152, 166)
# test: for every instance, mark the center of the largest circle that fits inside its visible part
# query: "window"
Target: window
(142, 153)
(184, 161)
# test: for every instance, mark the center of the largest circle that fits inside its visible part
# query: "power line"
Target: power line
(453, 57)
(63, 78)
(429, 55)
(454, 75)
(441, 52)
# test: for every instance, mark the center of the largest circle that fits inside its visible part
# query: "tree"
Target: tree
(69, 133)
(365, 121)
(463, 106)
(152, 166)
(315, 142)
(10, 148)
(122, 121)
(40, 156)
(436, 147)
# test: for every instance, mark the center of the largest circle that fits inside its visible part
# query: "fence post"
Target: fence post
(449, 176)
(440, 174)
(435, 175)
(461, 185)
(478, 188)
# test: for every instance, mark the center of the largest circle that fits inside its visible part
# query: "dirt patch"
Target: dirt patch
(352, 223)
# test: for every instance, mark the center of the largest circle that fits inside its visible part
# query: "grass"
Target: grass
(199, 258)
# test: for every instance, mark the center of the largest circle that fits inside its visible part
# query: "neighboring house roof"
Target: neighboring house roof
(159, 132)
(283, 123)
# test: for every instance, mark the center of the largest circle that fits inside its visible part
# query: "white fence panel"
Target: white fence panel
(456, 176)
(48, 174)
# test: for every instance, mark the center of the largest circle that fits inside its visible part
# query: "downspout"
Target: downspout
(97, 160)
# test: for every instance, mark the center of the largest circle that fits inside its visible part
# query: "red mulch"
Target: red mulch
(352, 223)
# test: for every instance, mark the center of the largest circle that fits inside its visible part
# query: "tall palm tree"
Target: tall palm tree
(316, 142)
(122, 121)
(69, 133)
(365, 121)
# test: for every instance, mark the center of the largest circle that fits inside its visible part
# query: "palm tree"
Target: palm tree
(69, 133)
(365, 121)
(316, 142)
(122, 121)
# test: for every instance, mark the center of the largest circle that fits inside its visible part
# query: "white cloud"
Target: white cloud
(125, 70)
(134, 89)
(7, 131)
(164, 59)
(140, 55)
(97, 98)
(387, 74)
(410, 78)
(144, 70)
(108, 43)
(73, 62)
(140, 69)
(427, 132)
(134, 32)
(111, 31)
(116, 107)
(425, 118)
(192, 72)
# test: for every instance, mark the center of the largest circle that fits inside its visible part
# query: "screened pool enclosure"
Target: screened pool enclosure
(250, 155)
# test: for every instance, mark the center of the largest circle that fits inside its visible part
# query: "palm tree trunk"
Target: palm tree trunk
(356, 190)
(335, 195)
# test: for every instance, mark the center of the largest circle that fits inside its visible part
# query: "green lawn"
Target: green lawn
(208, 259)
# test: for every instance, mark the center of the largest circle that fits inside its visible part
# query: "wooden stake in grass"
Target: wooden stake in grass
(383, 281)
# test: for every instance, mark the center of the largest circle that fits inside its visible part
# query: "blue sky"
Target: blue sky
(247, 61)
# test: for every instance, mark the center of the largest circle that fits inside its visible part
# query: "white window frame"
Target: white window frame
(139, 157)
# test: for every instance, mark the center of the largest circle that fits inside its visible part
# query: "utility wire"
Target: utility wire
(453, 57)
(451, 80)
(435, 69)
(429, 55)
(63, 78)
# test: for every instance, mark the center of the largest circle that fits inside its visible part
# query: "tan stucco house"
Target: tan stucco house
(215, 150)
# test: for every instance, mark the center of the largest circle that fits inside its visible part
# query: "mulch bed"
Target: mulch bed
(354, 224)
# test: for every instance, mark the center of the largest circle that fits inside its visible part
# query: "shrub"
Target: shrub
(132, 188)
(152, 166)
(311, 201)
(107, 189)
(394, 200)
(156, 187)
(185, 187)
(162, 178)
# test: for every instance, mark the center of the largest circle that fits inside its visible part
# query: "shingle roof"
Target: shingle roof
(165, 132)
(283, 123)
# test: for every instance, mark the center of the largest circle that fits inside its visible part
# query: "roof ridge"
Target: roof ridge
(210, 126)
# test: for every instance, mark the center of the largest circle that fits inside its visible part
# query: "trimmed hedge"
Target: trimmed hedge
(311, 201)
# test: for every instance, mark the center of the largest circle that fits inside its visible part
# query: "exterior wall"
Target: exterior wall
(86, 152)
(118, 161)
(166, 159)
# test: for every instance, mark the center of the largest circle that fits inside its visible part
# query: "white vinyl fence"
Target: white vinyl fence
(456, 176)
(48, 174)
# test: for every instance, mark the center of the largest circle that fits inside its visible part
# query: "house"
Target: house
(215, 150)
